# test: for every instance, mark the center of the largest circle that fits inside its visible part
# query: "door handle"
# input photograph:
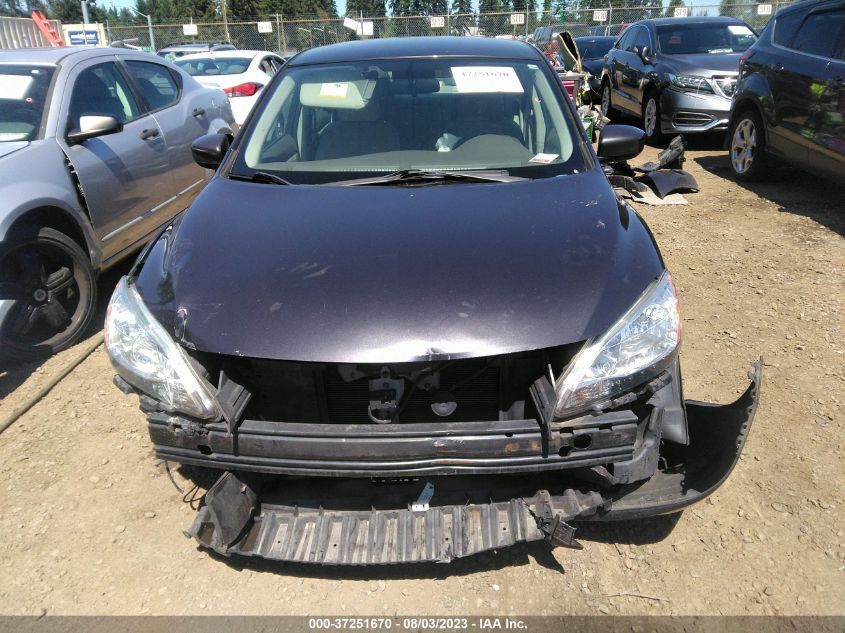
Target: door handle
(198, 112)
(149, 133)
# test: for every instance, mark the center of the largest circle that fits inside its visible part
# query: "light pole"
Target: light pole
(149, 27)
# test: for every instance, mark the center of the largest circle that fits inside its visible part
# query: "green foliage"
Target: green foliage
(370, 8)
(670, 10)
(70, 11)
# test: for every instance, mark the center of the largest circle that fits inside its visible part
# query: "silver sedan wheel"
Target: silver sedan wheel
(650, 118)
(743, 146)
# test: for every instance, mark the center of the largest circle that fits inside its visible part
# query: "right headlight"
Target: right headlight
(145, 356)
(635, 349)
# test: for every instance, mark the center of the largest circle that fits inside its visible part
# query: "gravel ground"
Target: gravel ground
(90, 524)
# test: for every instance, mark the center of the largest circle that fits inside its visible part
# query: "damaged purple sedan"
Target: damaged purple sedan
(409, 320)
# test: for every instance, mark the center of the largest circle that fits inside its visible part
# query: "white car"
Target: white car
(240, 74)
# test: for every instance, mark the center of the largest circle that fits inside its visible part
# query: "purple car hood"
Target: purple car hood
(393, 274)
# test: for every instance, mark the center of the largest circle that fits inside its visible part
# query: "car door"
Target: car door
(797, 78)
(123, 176)
(826, 134)
(638, 70)
(184, 113)
(625, 77)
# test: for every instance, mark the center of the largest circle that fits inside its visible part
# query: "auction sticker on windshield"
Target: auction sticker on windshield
(486, 79)
(334, 90)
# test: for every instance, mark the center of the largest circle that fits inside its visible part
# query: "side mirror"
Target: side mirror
(209, 150)
(619, 143)
(91, 126)
(645, 54)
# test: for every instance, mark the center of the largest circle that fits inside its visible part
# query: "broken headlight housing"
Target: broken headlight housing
(146, 357)
(635, 349)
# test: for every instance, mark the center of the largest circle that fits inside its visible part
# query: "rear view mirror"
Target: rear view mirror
(91, 126)
(209, 150)
(618, 143)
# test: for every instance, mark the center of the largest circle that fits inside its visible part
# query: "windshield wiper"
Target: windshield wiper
(409, 176)
(260, 176)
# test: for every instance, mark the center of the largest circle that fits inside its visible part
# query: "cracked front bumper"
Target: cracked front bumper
(359, 521)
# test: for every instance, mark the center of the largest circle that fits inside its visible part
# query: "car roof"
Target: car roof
(198, 45)
(55, 55)
(225, 54)
(805, 5)
(397, 47)
(700, 19)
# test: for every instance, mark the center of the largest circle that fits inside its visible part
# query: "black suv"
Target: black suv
(790, 97)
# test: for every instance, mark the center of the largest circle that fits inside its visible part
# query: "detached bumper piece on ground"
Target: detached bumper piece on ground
(370, 521)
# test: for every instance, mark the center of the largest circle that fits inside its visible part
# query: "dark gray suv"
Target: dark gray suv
(790, 99)
(677, 75)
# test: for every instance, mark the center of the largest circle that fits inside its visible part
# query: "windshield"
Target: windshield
(208, 66)
(328, 122)
(23, 98)
(594, 49)
(693, 39)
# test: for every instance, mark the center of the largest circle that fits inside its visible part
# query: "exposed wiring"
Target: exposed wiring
(192, 499)
(172, 480)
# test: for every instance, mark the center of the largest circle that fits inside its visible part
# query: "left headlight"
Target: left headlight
(635, 349)
(146, 357)
(690, 83)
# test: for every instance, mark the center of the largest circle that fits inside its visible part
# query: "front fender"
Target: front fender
(754, 91)
(21, 202)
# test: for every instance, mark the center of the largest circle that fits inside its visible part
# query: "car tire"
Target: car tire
(607, 108)
(747, 146)
(650, 118)
(47, 296)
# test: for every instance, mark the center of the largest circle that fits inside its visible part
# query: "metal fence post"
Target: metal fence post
(609, 18)
(279, 35)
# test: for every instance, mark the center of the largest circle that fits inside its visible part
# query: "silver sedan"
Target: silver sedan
(95, 156)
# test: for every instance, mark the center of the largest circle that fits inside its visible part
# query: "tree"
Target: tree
(70, 11)
(670, 10)
(489, 24)
(370, 8)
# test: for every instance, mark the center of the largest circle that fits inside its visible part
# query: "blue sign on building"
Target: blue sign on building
(81, 38)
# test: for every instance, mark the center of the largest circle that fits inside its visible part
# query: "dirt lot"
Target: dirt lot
(90, 524)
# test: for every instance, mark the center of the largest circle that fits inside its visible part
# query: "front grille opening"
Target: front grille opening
(465, 390)
(692, 118)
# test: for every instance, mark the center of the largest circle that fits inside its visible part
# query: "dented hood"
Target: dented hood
(393, 274)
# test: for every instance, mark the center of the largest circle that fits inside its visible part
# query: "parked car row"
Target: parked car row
(779, 96)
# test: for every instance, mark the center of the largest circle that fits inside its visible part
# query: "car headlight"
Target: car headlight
(690, 83)
(146, 357)
(635, 349)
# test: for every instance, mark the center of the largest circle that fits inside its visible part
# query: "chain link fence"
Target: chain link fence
(277, 33)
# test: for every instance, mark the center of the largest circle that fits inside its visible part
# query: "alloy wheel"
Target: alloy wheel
(743, 146)
(50, 295)
(650, 117)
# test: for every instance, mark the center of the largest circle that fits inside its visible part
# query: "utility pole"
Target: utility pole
(84, 4)
(149, 28)
(225, 20)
